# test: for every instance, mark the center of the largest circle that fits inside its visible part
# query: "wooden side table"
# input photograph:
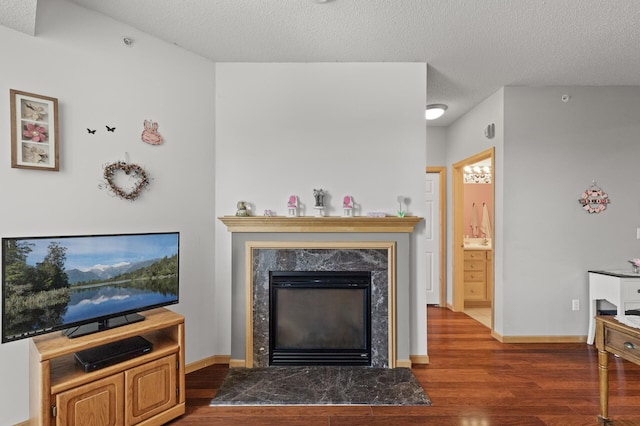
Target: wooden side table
(618, 339)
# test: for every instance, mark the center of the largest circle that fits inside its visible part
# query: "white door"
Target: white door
(432, 219)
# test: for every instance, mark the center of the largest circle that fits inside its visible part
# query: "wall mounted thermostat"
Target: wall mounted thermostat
(490, 131)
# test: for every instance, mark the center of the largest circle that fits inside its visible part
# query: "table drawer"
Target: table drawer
(631, 290)
(624, 344)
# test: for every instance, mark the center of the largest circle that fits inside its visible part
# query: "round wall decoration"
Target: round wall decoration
(135, 172)
(594, 199)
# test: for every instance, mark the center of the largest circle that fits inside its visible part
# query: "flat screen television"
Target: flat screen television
(84, 284)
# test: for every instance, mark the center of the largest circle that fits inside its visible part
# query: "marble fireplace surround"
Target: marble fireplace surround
(376, 257)
(260, 244)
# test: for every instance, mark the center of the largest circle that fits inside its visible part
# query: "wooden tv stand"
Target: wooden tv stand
(146, 390)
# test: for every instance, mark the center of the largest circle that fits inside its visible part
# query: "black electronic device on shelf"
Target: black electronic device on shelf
(112, 353)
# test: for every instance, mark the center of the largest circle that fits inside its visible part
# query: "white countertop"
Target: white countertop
(621, 273)
(477, 243)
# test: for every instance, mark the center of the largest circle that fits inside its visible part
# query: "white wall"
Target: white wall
(79, 58)
(354, 129)
(547, 153)
(553, 152)
(437, 146)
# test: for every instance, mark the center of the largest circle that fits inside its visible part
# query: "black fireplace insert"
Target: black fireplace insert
(320, 318)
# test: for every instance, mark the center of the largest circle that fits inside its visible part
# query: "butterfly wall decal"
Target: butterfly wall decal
(93, 132)
(110, 129)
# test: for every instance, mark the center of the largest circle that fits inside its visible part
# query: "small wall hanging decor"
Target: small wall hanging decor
(150, 133)
(135, 173)
(594, 199)
(109, 130)
(34, 131)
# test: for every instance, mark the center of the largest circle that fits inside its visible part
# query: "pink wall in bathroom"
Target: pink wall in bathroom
(477, 193)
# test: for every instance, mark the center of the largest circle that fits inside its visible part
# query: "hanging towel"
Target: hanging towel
(474, 221)
(485, 225)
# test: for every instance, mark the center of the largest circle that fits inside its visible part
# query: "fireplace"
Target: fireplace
(337, 258)
(320, 318)
(380, 245)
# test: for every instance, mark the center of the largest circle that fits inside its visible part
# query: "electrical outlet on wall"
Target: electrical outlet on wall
(575, 304)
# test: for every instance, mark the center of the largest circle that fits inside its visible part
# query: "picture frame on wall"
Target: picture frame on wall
(34, 131)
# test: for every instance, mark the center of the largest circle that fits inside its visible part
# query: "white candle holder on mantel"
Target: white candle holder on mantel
(292, 206)
(347, 206)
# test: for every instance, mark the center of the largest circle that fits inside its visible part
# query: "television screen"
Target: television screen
(88, 282)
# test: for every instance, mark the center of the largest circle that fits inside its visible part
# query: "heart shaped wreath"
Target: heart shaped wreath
(133, 170)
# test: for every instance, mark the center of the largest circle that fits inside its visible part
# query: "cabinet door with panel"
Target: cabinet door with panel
(95, 404)
(151, 389)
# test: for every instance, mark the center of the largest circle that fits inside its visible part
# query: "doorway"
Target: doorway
(436, 241)
(477, 289)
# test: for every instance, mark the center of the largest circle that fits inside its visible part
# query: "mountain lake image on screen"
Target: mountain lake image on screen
(85, 283)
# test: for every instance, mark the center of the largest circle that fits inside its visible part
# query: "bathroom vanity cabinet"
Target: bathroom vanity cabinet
(477, 277)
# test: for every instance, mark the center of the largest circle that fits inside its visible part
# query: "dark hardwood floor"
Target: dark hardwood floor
(472, 380)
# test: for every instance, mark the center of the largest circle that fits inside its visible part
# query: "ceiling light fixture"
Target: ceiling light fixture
(435, 111)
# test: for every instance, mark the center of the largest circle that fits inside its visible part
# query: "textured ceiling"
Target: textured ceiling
(472, 47)
(19, 15)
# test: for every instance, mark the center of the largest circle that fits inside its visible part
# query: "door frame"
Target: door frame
(458, 225)
(442, 255)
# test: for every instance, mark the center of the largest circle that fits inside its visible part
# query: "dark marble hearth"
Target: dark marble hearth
(320, 385)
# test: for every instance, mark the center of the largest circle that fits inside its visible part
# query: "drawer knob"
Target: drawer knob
(629, 345)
